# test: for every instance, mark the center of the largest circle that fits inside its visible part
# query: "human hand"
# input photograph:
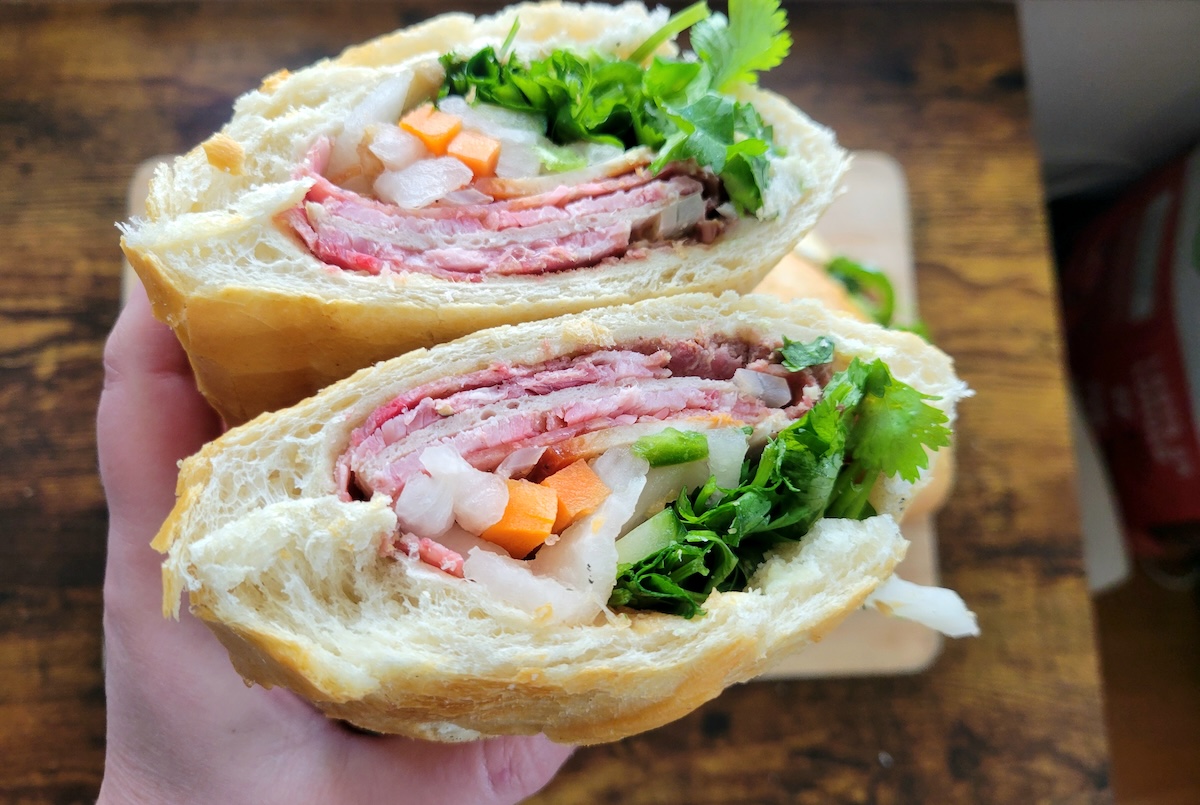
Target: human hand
(182, 726)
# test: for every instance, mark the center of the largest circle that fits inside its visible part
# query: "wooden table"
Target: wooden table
(91, 89)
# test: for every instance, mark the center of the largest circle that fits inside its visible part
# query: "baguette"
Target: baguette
(266, 323)
(295, 579)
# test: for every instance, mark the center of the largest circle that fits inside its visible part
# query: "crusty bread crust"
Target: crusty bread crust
(290, 578)
(265, 323)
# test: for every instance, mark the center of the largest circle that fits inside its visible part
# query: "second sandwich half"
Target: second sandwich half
(585, 526)
(469, 172)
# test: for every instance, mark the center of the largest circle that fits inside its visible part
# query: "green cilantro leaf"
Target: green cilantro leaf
(667, 580)
(798, 356)
(707, 126)
(892, 429)
(754, 38)
(868, 286)
(670, 81)
(674, 105)
(744, 178)
(824, 464)
(872, 291)
(707, 130)
(895, 425)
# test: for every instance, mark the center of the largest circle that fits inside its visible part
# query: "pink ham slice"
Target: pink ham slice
(429, 551)
(488, 414)
(494, 431)
(561, 229)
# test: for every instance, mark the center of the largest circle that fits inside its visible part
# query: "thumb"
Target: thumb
(495, 770)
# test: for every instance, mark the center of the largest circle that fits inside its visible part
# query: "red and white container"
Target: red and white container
(1131, 292)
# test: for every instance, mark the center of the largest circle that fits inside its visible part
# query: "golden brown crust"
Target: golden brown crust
(166, 300)
(794, 277)
(272, 82)
(595, 705)
(253, 350)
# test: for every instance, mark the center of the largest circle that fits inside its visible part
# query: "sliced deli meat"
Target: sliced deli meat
(489, 415)
(566, 227)
(578, 407)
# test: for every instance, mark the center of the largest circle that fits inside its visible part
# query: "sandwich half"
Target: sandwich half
(470, 172)
(585, 526)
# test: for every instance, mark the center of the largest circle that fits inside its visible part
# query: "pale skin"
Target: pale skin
(182, 726)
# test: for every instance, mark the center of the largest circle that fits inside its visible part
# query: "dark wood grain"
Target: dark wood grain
(1150, 647)
(1015, 716)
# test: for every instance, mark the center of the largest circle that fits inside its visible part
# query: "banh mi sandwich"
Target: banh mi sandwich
(469, 172)
(585, 526)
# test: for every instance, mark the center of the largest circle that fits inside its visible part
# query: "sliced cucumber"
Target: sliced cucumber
(650, 537)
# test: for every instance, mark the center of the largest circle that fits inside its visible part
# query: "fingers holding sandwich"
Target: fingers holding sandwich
(150, 418)
(498, 770)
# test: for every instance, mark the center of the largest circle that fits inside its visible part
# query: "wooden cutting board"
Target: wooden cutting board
(869, 222)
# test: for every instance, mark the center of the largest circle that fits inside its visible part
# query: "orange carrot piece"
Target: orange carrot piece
(477, 151)
(527, 521)
(434, 128)
(579, 490)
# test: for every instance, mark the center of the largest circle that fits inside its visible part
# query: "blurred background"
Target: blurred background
(1115, 95)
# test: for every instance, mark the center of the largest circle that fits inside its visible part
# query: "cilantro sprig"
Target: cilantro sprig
(677, 106)
(797, 356)
(753, 39)
(894, 425)
(867, 424)
(868, 285)
(679, 22)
